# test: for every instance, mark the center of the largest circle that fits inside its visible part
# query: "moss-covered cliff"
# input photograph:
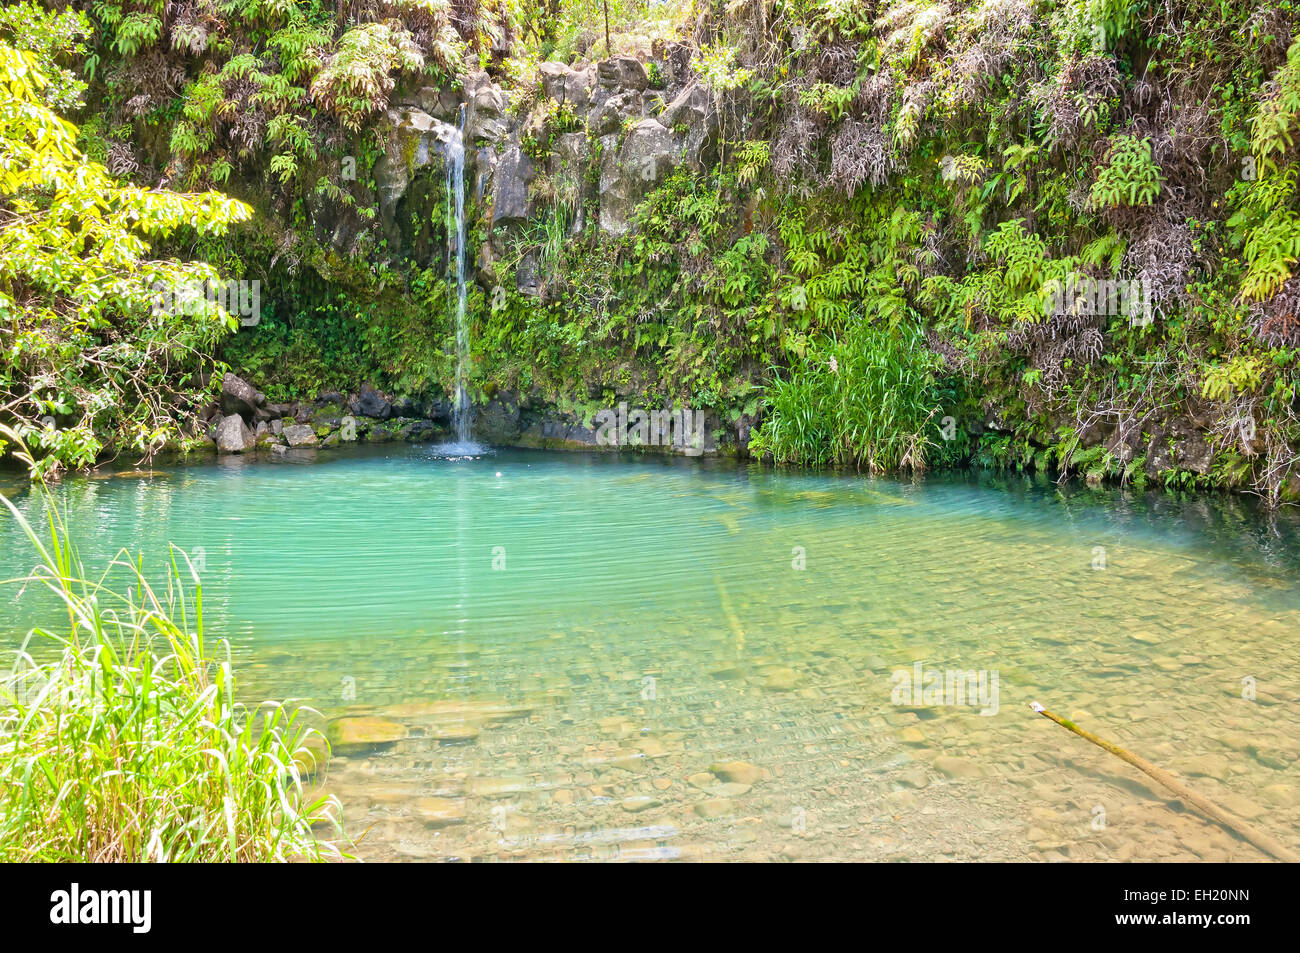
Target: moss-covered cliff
(1048, 234)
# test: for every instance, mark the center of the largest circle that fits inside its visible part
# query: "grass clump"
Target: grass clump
(865, 398)
(124, 741)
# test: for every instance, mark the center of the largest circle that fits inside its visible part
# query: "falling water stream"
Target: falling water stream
(462, 411)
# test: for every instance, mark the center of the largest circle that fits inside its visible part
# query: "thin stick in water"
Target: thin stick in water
(1207, 807)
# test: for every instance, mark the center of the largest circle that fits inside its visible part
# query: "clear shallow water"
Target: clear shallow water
(572, 643)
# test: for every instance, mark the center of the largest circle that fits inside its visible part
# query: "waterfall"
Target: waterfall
(461, 409)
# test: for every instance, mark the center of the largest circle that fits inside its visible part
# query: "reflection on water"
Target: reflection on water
(569, 657)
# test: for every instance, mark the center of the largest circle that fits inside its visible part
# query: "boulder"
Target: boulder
(441, 103)
(233, 436)
(510, 187)
(485, 120)
(608, 118)
(240, 397)
(692, 117)
(622, 72)
(563, 84)
(299, 435)
(627, 174)
(371, 403)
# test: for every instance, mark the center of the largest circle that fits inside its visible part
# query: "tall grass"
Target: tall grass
(867, 398)
(124, 741)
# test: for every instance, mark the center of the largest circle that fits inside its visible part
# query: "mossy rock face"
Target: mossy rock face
(349, 735)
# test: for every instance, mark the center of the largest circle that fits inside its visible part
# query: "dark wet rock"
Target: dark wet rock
(1122, 444)
(413, 431)
(371, 403)
(439, 411)
(510, 203)
(240, 397)
(497, 421)
(1094, 432)
(406, 407)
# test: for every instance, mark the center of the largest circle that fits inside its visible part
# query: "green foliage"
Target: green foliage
(120, 736)
(357, 79)
(87, 351)
(863, 400)
(1130, 177)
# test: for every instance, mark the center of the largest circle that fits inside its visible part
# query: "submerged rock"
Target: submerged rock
(738, 772)
(957, 768)
(358, 733)
(640, 802)
(439, 811)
